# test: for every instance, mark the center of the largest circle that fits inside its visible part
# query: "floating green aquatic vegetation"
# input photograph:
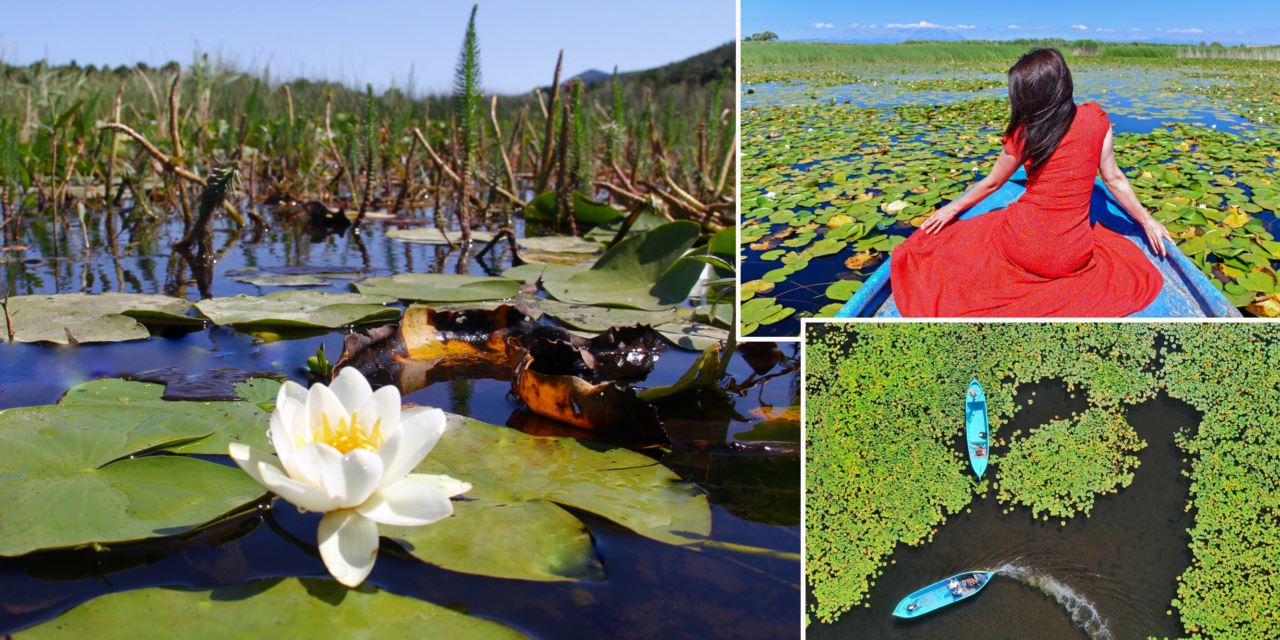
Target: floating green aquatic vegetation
(74, 473)
(1061, 467)
(303, 607)
(539, 541)
(434, 235)
(615, 483)
(264, 279)
(100, 317)
(878, 165)
(641, 272)
(298, 309)
(884, 407)
(1227, 372)
(440, 287)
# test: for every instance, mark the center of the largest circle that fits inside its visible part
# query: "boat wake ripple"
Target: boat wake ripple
(1083, 612)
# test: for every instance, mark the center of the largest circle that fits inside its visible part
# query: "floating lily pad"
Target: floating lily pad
(614, 483)
(135, 402)
(298, 309)
(544, 209)
(693, 336)
(531, 273)
(560, 244)
(433, 235)
(67, 477)
(306, 608)
(641, 272)
(265, 279)
(538, 541)
(440, 287)
(597, 319)
(99, 317)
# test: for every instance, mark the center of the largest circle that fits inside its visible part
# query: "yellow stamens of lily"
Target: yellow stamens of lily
(347, 436)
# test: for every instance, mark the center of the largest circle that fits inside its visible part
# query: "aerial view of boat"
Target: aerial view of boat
(942, 593)
(977, 440)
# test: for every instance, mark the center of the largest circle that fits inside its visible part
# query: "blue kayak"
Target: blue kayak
(942, 593)
(977, 441)
(1187, 291)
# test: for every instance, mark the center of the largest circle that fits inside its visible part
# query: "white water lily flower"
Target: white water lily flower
(347, 451)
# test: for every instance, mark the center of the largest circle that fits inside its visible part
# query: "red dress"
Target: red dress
(1038, 257)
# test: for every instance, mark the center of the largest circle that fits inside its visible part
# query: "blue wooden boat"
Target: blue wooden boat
(1187, 291)
(942, 593)
(977, 441)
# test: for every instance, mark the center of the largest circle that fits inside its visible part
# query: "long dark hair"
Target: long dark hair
(1041, 104)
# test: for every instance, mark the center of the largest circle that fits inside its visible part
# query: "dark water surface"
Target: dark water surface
(650, 589)
(1111, 575)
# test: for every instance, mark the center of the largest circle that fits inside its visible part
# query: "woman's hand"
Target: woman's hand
(939, 219)
(1156, 233)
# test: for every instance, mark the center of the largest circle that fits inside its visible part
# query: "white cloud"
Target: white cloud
(1103, 29)
(1080, 27)
(858, 25)
(925, 24)
(1190, 30)
(823, 25)
(1136, 29)
(1013, 27)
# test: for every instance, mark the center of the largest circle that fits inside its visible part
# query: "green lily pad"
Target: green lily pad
(300, 309)
(597, 319)
(640, 272)
(538, 541)
(135, 402)
(559, 244)
(303, 607)
(614, 483)
(265, 279)
(842, 290)
(433, 235)
(67, 477)
(693, 336)
(531, 273)
(704, 373)
(543, 208)
(440, 287)
(99, 317)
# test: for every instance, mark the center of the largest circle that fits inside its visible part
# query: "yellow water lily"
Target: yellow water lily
(346, 451)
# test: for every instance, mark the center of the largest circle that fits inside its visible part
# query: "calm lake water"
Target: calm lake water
(1111, 575)
(650, 589)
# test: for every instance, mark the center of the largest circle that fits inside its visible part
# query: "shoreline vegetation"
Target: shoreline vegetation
(997, 51)
(131, 144)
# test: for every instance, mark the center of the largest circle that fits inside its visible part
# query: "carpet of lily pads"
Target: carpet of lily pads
(840, 165)
(884, 467)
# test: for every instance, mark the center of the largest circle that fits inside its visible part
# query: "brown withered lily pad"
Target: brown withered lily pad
(555, 392)
(431, 345)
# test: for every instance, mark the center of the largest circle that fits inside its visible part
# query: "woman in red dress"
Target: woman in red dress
(1040, 256)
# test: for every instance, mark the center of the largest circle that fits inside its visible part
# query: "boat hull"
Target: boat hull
(975, 428)
(939, 595)
(1187, 292)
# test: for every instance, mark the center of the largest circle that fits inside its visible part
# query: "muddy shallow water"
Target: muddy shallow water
(650, 589)
(1111, 575)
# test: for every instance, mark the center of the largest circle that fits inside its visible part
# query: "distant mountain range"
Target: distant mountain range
(699, 69)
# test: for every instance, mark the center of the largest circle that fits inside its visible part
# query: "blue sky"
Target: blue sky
(376, 41)
(1247, 22)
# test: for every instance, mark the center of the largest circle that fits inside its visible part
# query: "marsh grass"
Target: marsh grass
(61, 148)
